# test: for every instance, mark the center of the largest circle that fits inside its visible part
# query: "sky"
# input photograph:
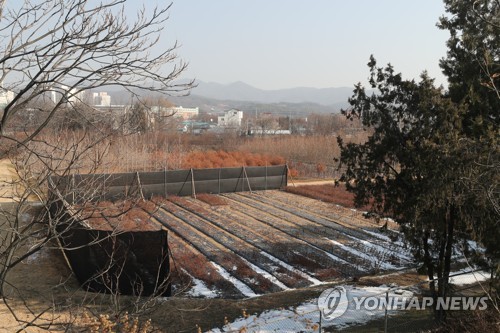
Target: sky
(276, 44)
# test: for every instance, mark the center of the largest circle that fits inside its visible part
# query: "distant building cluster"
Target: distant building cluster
(191, 122)
(184, 113)
(101, 99)
(6, 96)
(231, 119)
(72, 95)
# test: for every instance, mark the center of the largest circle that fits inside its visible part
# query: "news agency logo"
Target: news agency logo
(334, 302)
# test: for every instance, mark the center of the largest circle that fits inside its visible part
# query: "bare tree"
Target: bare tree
(59, 49)
(52, 52)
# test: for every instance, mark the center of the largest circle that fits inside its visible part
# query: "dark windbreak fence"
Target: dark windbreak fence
(189, 182)
(136, 262)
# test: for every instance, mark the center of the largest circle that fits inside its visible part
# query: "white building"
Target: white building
(6, 96)
(101, 99)
(231, 118)
(73, 95)
(184, 113)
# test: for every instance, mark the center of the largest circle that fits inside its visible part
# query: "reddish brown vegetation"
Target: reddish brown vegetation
(219, 159)
(327, 193)
(185, 258)
(118, 216)
(320, 168)
(212, 200)
(327, 274)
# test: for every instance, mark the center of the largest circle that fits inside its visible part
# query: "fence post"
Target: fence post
(219, 179)
(248, 180)
(165, 182)
(73, 188)
(265, 186)
(286, 176)
(243, 180)
(139, 185)
(193, 187)
(320, 322)
(386, 306)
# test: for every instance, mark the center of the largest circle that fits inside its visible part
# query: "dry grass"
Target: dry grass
(314, 149)
(120, 216)
(487, 320)
(212, 200)
(327, 193)
(219, 159)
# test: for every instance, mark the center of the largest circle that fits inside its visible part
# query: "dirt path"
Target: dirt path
(300, 182)
(8, 178)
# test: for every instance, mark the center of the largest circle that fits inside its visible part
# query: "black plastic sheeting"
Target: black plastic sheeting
(129, 263)
(96, 187)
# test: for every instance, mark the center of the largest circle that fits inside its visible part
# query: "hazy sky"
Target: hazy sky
(274, 44)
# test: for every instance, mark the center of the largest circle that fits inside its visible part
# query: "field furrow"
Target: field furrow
(237, 247)
(216, 252)
(385, 254)
(245, 244)
(187, 258)
(342, 215)
(347, 264)
(307, 258)
(349, 218)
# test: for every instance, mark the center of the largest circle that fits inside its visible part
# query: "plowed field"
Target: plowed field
(264, 242)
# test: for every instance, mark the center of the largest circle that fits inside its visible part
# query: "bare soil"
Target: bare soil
(7, 181)
(43, 283)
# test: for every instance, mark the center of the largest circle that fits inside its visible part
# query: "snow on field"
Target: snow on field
(292, 269)
(383, 250)
(387, 239)
(305, 317)
(245, 290)
(352, 251)
(266, 274)
(383, 265)
(468, 277)
(199, 289)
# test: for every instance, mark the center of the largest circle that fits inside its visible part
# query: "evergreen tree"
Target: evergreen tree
(431, 161)
(472, 66)
(409, 167)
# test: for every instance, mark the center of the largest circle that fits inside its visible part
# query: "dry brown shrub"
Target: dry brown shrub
(327, 274)
(293, 172)
(211, 199)
(487, 320)
(220, 159)
(122, 215)
(327, 193)
(320, 167)
(119, 324)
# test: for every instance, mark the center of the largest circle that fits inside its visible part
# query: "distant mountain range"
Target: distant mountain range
(216, 97)
(240, 91)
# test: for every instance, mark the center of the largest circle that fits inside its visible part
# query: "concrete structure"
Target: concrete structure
(101, 99)
(181, 112)
(269, 132)
(231, 118)
(74, 96)
(6, 96)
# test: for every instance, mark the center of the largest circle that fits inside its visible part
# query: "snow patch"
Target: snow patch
(199, 289)
(243, 288)
(305, 317)
(290, 268)
(468, 277)
(266, 275)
